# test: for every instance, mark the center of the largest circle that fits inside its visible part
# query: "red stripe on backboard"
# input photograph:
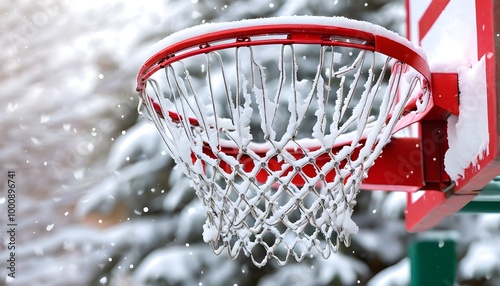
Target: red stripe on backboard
(430, 16)
(484, 26)
(408, 20)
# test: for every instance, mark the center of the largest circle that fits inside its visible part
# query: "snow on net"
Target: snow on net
(277, 139)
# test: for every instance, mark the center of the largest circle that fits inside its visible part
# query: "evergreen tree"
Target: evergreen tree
(142, 221)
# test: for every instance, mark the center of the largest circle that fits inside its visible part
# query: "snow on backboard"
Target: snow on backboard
(461, 36)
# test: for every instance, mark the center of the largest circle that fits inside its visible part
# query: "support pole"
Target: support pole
(433, 261)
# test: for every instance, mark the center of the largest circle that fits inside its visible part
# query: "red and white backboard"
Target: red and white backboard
(462, 37)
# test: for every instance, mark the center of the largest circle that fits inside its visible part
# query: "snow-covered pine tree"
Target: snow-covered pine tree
(118, 212)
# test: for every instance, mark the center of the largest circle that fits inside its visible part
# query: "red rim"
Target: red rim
(286, 34)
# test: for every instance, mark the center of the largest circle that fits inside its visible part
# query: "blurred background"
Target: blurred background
(100, 202)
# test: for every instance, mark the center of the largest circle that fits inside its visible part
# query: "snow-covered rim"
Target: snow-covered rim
(337, 31)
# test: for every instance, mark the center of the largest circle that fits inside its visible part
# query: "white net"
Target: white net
(276, 140)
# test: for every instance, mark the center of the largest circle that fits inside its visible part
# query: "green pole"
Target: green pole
(488, 200)
(433, 262)
(481, 207)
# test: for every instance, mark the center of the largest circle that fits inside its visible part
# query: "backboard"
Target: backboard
(462, 37)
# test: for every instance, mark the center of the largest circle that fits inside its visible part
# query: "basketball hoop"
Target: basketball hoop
(276, 122)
